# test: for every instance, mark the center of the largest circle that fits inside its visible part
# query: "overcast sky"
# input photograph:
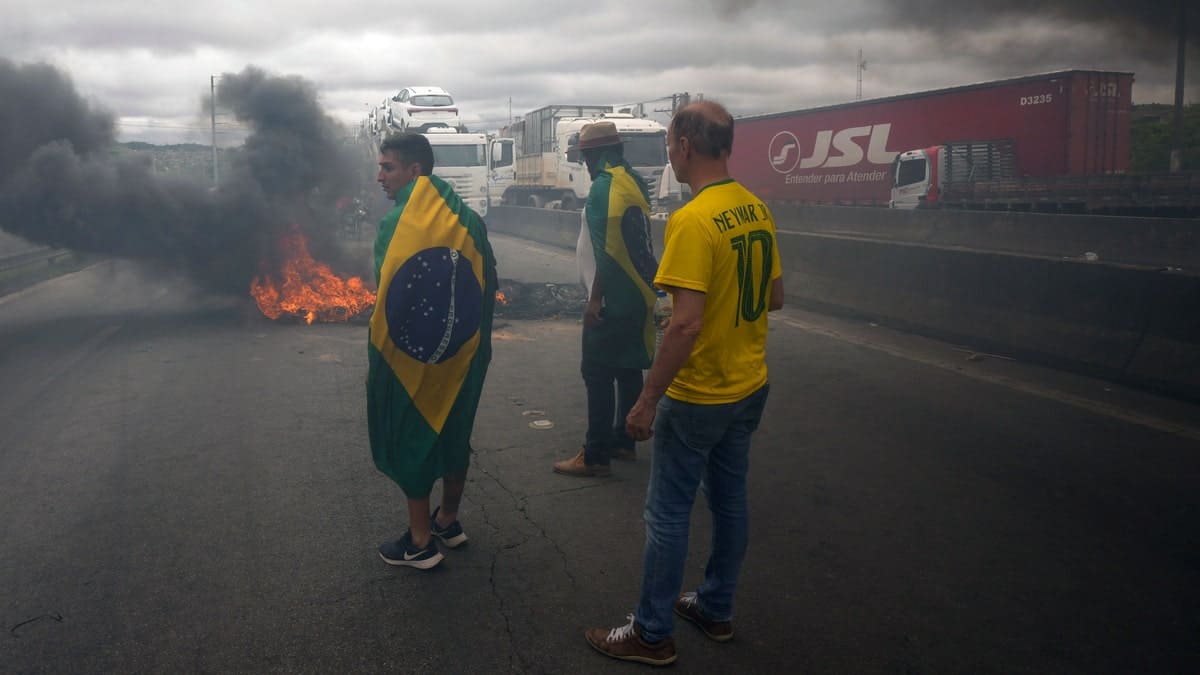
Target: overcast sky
(149, 62)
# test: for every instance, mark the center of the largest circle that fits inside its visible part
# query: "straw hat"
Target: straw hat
(598, 134)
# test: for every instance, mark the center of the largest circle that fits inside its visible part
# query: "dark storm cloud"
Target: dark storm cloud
(1149, 25)
(147, 61)
(119, 25)
(1014, 37)
(61, 185)
(731, 9)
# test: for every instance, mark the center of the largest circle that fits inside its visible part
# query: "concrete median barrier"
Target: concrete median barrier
(551, 226)
(545, 226)
(1126, 323)
(1168, 355)
(1164, 242)
(1130, 323)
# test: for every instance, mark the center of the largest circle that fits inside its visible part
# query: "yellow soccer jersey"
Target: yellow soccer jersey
(722, 243)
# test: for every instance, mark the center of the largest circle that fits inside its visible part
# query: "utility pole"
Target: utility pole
(1177, 136)
(678, 102)
(212, 86)
(860, 67)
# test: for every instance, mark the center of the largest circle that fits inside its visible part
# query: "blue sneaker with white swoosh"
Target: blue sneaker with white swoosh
(452, 535)
(403, 553)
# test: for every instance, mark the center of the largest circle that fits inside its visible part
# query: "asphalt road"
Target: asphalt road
(186, 487)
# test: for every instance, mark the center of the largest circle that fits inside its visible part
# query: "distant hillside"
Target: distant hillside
(189, 160)
(183, 147)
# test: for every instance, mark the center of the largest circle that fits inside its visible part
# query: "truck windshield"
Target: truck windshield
(910, 171)
(458, 155)
(646, 149)
(502, 155)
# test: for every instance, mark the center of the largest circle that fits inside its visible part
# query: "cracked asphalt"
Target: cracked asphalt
(186, 487)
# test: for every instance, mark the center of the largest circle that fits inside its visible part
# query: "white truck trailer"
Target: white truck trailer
(549, 168)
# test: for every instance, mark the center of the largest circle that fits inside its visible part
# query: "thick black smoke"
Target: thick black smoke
(61, 185)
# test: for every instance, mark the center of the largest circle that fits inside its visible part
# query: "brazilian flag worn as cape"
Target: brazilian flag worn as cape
(430, 335)
(617, 215)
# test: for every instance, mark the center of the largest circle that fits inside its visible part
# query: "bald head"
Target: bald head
(708, 126)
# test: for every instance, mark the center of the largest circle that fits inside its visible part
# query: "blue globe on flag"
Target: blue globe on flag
(434, 305)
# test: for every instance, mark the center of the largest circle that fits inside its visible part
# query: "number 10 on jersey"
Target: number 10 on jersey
(754, 253)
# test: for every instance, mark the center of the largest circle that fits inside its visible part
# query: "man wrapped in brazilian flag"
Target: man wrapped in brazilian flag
(430, 344)
(618, 324)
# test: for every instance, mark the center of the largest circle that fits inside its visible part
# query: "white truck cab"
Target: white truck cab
(912, 177)
(645, 148)
(461, 159)
(502, 169)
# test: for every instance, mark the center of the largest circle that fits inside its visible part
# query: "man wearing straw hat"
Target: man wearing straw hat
(618, 323)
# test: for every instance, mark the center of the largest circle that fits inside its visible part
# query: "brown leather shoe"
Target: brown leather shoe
(686, 607)
(577, 467)
(626, 643)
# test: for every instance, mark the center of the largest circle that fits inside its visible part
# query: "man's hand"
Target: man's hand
(639, 424)
(591, 315)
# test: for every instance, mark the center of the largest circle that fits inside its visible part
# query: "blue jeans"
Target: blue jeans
(696, 444)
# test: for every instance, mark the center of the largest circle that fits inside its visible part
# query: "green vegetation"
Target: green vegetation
(1151, 135)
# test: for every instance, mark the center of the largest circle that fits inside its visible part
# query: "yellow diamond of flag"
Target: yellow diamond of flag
(430, 302)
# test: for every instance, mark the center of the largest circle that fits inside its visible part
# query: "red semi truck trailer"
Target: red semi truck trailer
(1069, 123)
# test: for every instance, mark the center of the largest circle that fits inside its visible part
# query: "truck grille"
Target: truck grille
(653, 177)
(463, 186)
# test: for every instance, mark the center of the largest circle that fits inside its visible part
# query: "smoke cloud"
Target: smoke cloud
(62, 186)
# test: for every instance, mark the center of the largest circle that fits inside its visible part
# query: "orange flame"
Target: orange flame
(501, 298)
(308, 289)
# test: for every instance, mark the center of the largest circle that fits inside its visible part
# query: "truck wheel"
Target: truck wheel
(536, 201)
(569, 203)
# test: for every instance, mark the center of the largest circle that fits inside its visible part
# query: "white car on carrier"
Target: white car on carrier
(420, 109)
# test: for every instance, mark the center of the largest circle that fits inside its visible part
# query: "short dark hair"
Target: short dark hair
(707, 125)
(410, 147)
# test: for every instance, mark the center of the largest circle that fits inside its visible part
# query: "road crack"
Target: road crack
(54, 617)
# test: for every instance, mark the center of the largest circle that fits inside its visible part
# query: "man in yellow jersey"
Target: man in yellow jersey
(706, 390)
